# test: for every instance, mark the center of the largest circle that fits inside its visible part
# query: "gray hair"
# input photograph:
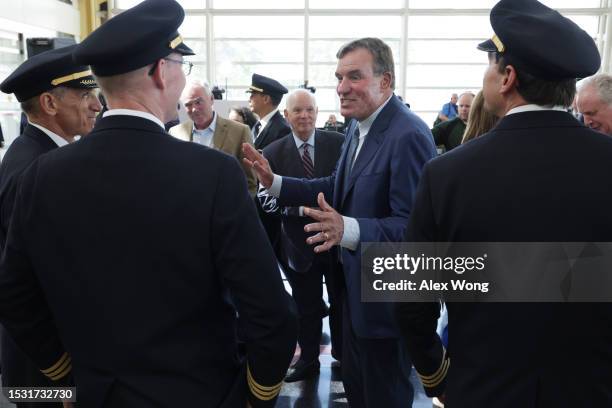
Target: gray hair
(199, 83)
(602, 83)
(297, 92)
(467, 93)
(381, 52)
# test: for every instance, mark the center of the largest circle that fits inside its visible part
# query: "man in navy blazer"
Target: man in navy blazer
(371, 191)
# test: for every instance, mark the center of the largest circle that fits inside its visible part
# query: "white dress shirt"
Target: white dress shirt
(534, 108)
(131, 112)
(264, 121)
(59, 141)
(352, 233)
(205, 136)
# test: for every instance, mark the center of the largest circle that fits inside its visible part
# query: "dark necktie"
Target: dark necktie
(307, 162)
(256, 130)
(350, 157)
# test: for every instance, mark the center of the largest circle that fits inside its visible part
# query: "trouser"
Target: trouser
(375, 372)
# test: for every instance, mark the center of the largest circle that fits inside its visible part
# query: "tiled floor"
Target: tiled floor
(327, 390)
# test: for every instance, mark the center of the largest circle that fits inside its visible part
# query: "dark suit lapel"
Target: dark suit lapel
(39, 137)
(268, 130)
(372, 143)
(294, 160)
(322, 154)
(537, 119)
(124, 122)
(338, 187)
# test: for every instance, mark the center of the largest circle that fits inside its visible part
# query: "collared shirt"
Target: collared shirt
(533, 108)
(264, 121)
(352, 233)
(205, 136)
(311, 149)
(59, 141)
(310, 142)
(132, 112)
(449, 110)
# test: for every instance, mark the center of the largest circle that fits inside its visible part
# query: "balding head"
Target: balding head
(464, 104)
(301, 113)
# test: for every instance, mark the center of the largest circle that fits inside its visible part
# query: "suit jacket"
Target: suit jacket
(228, 138)
(536, 177)
(130, 257)
(32, 143)
(286, 160)
(276, 128)
(17, 368)
(379, 194)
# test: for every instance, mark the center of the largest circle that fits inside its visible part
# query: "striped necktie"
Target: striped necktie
(256, 129)
(307, 161)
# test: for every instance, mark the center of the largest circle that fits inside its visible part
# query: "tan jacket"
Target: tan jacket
(228, 138)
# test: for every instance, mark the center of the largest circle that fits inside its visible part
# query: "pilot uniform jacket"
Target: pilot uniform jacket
(17, 368)
(228, 137)
(276, 128)
(536, 177)
(136, 262)
(379, 195)
(286, 160)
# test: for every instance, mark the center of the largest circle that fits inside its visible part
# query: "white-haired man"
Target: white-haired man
(206, 127)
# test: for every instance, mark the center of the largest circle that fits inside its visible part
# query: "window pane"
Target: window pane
(237, 74)
(488, 4)
(452, 4)
(237, 94)
(454, 51)
(322, 75)
(571, 3)
(250, 4)
(192, 4)
(354, 26)
(259, 26)
(449, 27)
(187, 4)
(125, 4)
(193, 26)
(327, 99)
(445, 75)
(432, 99)
(198, 46)
(428, 117)
(325, 50)
(356, 4)
(260, 50)
(198, 72)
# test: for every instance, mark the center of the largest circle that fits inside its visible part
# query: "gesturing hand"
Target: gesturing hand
(259, 163)
(330, 225)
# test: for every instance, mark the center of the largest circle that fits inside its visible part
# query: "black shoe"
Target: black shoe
(303, 371)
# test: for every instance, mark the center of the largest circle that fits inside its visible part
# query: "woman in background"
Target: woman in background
(480, 121)
(243, 115)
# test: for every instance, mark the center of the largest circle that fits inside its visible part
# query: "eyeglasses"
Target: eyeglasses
(187, 66)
